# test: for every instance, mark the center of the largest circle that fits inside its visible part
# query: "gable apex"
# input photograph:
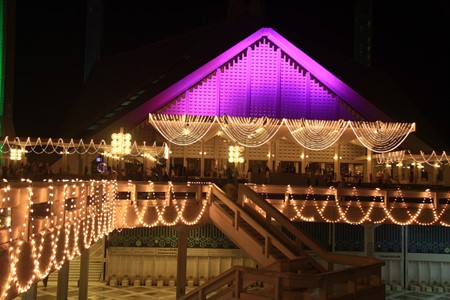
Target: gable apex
(263, 83)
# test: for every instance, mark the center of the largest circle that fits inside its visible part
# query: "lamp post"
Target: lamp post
(120, 145)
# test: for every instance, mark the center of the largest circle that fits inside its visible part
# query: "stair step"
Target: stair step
(95, 266)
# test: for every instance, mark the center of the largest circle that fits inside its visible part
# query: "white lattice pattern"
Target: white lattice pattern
(209, 148)
(289, 151)
(326, 155)
(350, 151)
(264, 81)
(258, 153)
(292, 89)
(323, 104)
(233, 88)
(202, 98)
(194, 150)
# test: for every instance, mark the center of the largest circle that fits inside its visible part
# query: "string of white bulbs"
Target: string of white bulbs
(379, 137)
(80, 147)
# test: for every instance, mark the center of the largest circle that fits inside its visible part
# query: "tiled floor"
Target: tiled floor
(98, 290)
(409, 295)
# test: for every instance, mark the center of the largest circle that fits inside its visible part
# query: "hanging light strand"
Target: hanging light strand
(71, 147)
(381, 136)
(250, 132)
(182, 129)
(316, 134)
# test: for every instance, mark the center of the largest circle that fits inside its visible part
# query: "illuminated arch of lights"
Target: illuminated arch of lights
(377, 136)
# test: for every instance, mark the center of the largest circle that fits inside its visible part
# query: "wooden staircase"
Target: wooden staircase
(285, 271)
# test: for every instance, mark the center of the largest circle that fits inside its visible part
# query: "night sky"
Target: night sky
(410, 43)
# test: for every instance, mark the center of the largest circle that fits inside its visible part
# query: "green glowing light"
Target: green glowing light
(2, 60)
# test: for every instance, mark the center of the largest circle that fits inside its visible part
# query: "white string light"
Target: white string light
(250, 132)
(182, 129)
(377, 136)
(432, 159)
(70, 147)
(102, 215)
(316, 134)
(390, 157)
(381, 136)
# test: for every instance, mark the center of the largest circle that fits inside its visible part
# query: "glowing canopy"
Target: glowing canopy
(377, 136)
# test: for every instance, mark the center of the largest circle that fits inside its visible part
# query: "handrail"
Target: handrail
(290, 250)
(236, 280)
(330, 257)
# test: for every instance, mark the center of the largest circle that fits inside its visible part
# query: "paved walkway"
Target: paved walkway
(409, 295)
(99, 290)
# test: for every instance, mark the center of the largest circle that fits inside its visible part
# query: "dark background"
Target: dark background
(410, 43)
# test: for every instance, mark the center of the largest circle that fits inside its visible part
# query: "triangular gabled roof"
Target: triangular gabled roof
(123, 90)
(265, 75)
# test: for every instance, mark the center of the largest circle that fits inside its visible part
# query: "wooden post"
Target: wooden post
(181, 261)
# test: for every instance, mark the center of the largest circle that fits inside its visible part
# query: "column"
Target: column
(246, 164)
(337, 163)
(277, 157)
(63, 282)
(369, 239)
(105, 249)
(434, 175)
(185, 166)
(181, 261)
(304, 160)
(31, 293)
(169, 163)
(202, 160)
(64, 166)
(269, 156)
(84, 275)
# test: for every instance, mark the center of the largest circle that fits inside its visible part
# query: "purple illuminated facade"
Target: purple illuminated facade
(265, 75)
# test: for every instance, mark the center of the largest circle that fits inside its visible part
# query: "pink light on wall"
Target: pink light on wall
(265, 75)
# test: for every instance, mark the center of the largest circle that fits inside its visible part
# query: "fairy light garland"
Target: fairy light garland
(316, 134)
(182, 129)
(321, 210)
(390, 157)
(299, 211)
(377, 136)
(250, 132)
(365, 214)
(379, 199)
(432, 159)
(381, 136)
(71, 147)
(99, 217)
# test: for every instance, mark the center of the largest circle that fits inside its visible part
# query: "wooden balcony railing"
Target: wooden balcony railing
(44, 224)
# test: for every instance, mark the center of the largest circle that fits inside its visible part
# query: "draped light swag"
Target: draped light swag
(60, 146)
(390, 157)
(182, 129)
(315, 135)
(250, 132)
(380, 136)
